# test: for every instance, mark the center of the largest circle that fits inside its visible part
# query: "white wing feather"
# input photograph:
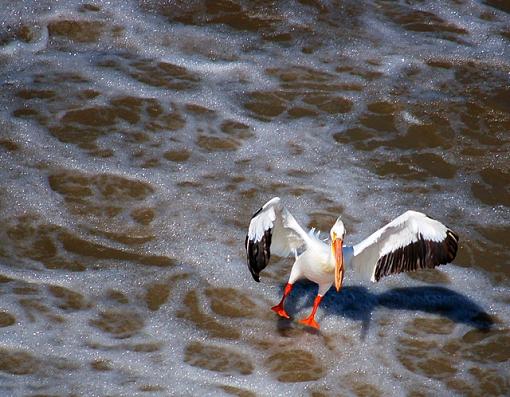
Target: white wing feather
(287, 234)
(403, 231)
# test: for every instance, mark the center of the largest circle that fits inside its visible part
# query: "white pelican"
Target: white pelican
(411, 241)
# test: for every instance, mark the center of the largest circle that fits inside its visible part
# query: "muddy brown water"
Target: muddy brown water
(138, 137)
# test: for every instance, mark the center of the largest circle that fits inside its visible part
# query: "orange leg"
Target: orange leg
(278, 309)
(310, 320)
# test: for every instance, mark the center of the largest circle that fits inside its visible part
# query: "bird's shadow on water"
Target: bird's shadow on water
(358, 303)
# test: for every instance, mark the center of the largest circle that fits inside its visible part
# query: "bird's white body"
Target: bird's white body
(411, 241)
(317, 264)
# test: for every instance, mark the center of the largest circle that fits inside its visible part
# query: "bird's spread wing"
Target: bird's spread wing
(272, 230)
(411, 241)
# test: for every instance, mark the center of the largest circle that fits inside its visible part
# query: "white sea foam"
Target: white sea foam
(196, 226)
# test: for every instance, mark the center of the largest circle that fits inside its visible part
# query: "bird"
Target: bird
(410, 242)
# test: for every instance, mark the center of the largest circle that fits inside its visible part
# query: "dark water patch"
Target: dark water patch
(490, 382)
(423, 357)
(236, 391)
(299, 77)
(416, 167)
(119, 323)
(419, 21)
(265, 105)
(81, 31)
(366, 74)
(230, 302)
(268, 105)
(215, 328)
(35, 310)
(236, 129)
(94, 117)
(131, 237)
(59, 263)
(22, 288)
(88, 7)
(36, 94)
(151, 72)
(151, 388)
(380, 130)
(172, 121)
(329, 103)
(295, 365)
(365, 71)
(259, 16)
(361, 387)
(304, 92)
(143, 216)
(200, 111)
(145, 347)
(430, 276)
(214, 143)
(426, 326)
(499, 235)
(6, 319)
(218, 359)
(101, 365)
(77, 245)
(27, 237)
(18, 362)
(379, 122)
(117, 296)
(486, 347)
(72, 114)
(493, 188)
(157, 293)
(4, 279)
(150, 163)
(68, 299)
(177, 156)
(382, 107)
(433, 165)
(264, 22)
(499, 4)
(360, 138)
(19, 32)
(487, 251)
(92, 195)
(440, 63)
(424, 136)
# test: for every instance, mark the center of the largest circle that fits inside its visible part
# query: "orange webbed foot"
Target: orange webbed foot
(310, 322)
(278, 309)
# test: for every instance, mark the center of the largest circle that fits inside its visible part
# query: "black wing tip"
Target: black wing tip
(258, 254)
(254, 273)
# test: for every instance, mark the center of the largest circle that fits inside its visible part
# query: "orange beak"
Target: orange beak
(339, 263)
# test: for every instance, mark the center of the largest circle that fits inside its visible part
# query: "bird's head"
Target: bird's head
(337, 234)
(338, 230)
